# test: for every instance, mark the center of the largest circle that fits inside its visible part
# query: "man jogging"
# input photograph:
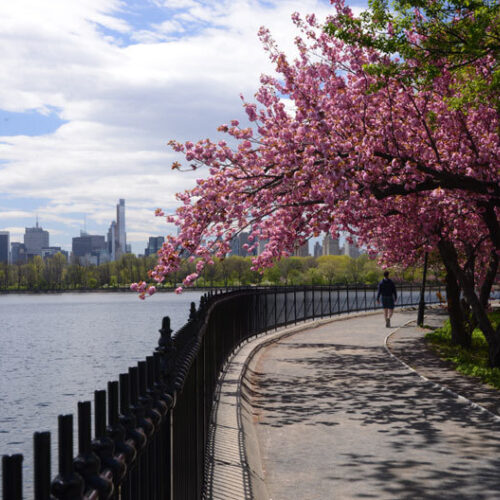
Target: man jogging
(387, 290)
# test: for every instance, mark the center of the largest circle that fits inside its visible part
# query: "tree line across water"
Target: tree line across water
(55, 273)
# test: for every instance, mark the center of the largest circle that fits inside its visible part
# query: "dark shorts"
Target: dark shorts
(388, 302)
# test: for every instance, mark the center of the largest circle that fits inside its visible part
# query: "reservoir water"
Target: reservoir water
(56, 349)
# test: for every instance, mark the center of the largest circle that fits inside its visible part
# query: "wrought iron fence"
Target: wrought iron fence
(151, 426)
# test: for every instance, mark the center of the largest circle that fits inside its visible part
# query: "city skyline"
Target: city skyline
(92, 92)
(102, 247)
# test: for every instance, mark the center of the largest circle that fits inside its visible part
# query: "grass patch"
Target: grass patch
(473, 361)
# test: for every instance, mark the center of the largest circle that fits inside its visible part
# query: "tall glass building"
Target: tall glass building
(121, 235)
(4, 246)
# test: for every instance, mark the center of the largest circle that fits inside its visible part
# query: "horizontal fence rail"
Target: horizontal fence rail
(151, 426)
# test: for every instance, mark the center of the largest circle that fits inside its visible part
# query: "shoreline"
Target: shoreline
(96, 290)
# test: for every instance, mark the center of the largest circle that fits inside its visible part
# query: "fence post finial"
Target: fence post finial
(192, 312)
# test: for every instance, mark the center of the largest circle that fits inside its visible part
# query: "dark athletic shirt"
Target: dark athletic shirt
(386, 288)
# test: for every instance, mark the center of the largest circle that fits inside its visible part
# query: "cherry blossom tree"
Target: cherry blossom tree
(329, 148)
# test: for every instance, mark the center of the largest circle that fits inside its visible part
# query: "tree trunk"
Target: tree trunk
(450, 258)
(489, 279)
(459, 334)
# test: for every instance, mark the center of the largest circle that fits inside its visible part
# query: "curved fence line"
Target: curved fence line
(151, 426)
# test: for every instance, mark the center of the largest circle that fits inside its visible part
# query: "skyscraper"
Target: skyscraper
(262, 246)
(35, 238)
(318, 249)
(90, 248)
(18, 253)
(237, 245)
(330, 245)
(352, 249)
(112, 241)
(155, 243)
(302, 250)
(121, 236)
(5, 247)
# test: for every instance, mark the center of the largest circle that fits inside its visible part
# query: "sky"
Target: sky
(91, 91)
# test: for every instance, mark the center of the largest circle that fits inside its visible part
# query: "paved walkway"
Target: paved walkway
(328, 413)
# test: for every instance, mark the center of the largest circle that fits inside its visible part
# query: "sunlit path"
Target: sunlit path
(337, 417)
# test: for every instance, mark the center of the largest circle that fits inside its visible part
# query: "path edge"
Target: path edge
(436, 385)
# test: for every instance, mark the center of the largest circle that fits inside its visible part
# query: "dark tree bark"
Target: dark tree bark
(489, 279)
(459, 334)
(450, 258)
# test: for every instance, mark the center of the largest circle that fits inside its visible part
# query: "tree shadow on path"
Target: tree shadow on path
(433, 445)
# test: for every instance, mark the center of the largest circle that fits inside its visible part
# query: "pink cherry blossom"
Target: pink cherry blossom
(399, 168)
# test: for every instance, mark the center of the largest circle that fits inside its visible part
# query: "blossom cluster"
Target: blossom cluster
(398, 167)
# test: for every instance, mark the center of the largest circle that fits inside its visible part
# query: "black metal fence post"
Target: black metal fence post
(41, 458)
(103, 446)
(12, 477)
(295, 305)
(275, 308)
(87, 463)
(421, 305)
(67, 485)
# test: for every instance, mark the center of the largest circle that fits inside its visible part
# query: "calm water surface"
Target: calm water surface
(55, 350)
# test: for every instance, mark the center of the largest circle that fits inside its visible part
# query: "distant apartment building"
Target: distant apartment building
(90, 249)
(238, 245)
(18, 253)
(51, 251)
(302, 250)
(35, 238)
(331, 245)
(5, 247)
(154, 244)
(261, 246)
(352, 249)
(318, 249)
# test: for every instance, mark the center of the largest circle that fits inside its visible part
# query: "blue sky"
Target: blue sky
(92, 90)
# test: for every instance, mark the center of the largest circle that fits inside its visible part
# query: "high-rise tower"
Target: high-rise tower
(121, 235)
(5, 247)
(352, 249)
(330, 245)
(35, 238)
(112, 241)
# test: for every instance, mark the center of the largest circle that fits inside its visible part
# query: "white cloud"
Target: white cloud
(122, 103)
(14, 214)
